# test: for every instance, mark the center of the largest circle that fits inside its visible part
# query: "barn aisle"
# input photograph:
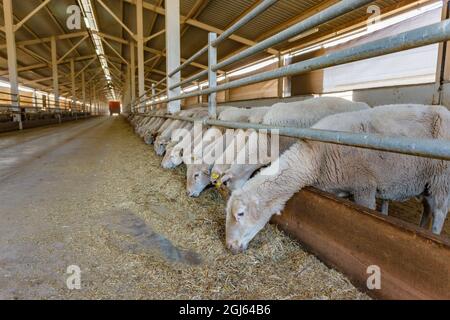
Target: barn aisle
(94, 196)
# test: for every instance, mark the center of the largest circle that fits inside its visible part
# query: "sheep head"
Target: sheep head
(197, 180)
(245, 218)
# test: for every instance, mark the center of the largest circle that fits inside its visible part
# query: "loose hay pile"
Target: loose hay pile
(274, 267)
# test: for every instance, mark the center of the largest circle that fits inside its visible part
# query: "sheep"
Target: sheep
(237, 174)
(230, 155)
(224, 162)
(162, 142)
(150, 132)
(173, 158)
(198, 173)
(141, 124)
(304, 114)
(164, 138)
(365, 174)
(242, 114)
(149, 122)
(301, 114)
(257, 114)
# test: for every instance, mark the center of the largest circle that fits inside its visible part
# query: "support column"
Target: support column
(153, 94)
(140, 52)
(83, 90)
(443, 66)
(227, 92)
(12, 60)
(55, 74)
(173, 52)
(212, 76)
(94, 101)
(280, 90)
(35, 102)
(90, 100)
(72, 79)
(133, 71)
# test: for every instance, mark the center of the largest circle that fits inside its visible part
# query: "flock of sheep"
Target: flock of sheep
(260, 189)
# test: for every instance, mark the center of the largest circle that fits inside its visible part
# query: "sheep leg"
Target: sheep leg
(425, 220)
(439, 209)
(385, 207)
(366, 198)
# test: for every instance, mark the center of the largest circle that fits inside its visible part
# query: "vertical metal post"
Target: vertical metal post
(212, 75)
(12, 60)
(35, 102)
(443, 70)
(140, 53)
(173, 52)
(153, 94)
(90, 100)
(55, 75)
(133, 70)
(94, 98)
(227, 92)
(83, 90)
(72, 80)
(280, 80)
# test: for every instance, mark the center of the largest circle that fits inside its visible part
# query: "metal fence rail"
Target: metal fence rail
(419, 37)
(427, 35)
(428, 148)
(330, 13)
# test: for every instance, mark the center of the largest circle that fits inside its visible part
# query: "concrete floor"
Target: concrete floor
(86, 193)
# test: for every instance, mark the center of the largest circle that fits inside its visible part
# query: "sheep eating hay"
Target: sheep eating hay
(365, 174)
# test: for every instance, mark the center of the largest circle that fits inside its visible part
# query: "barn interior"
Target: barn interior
(79, 190)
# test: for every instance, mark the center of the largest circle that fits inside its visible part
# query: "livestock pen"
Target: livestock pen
(320, 221)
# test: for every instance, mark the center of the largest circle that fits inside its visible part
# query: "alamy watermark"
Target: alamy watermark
(228, 147)
(73, 281)
(73, 22)
(374, 279)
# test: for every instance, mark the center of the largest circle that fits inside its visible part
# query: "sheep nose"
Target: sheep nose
(192, 194)
(235, 248)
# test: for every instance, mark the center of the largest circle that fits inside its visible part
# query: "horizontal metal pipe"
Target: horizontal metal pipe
(190, 60)
(428, 148)
(263, 6)
(190, 79)
(339, 9)
(438, 32)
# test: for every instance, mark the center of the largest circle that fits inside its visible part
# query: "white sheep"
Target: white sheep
(300, 114)
(365, 174)
(230, 155)
(242, 114)
(165, 136)
(174, 157)
(198, 173)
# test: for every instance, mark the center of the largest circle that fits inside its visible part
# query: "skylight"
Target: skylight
(91, 25)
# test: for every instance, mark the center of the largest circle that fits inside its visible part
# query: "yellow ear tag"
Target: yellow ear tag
(215, 175)
(218, 184)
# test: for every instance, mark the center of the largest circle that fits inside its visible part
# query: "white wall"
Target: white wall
(403, 68)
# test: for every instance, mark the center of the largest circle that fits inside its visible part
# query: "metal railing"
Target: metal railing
(23, 107)
(428, 148)
(423, 36)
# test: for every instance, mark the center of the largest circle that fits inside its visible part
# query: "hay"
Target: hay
(130, 263)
